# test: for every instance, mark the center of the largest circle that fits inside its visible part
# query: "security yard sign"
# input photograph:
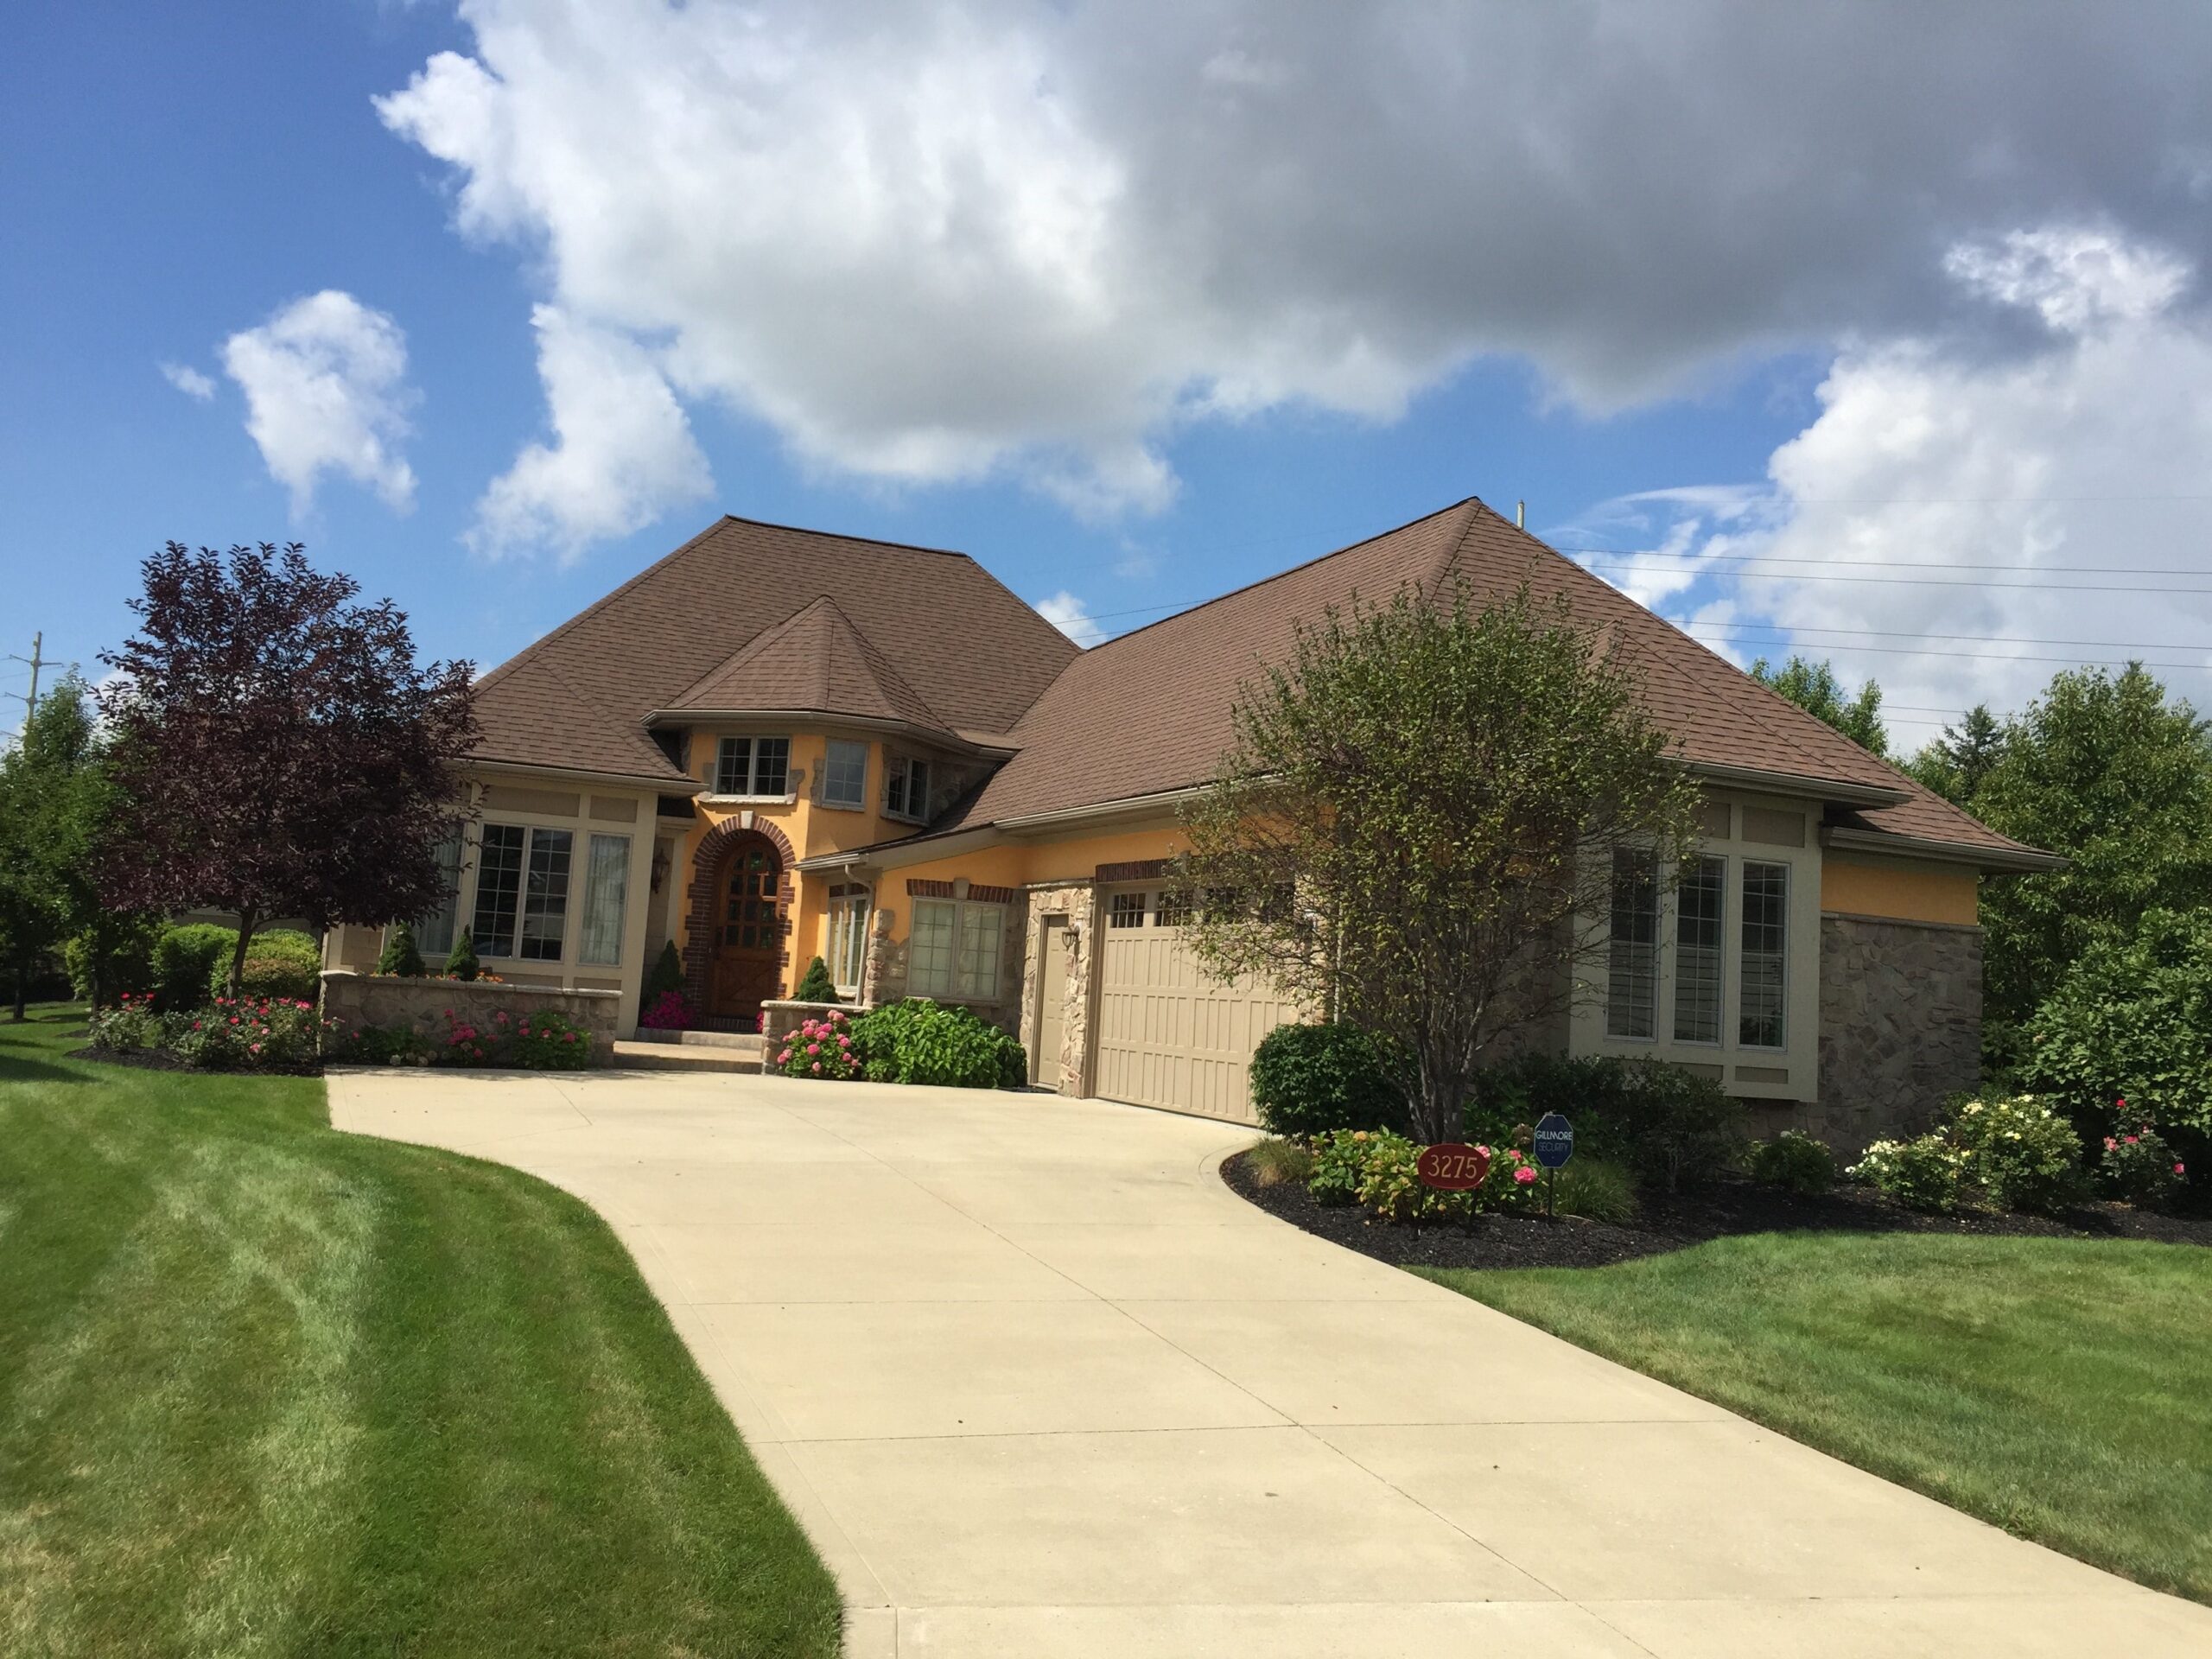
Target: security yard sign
(1553, 1143)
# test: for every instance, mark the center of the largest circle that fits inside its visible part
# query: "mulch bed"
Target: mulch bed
(160, 1060)
(1674, 1222)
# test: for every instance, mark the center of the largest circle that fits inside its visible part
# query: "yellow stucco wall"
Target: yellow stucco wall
(1019, 864)
(1904, 892)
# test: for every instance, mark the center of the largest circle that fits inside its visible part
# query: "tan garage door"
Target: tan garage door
(1168, 1035)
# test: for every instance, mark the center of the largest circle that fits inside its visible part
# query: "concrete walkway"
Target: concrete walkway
(1038, 1386)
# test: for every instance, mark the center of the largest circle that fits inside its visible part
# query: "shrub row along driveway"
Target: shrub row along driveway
(1038, 1384)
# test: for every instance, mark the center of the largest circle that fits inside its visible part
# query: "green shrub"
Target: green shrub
(549, 1042)
(1390, 1187)
(1596, 1190)
(114, 956)
(460, 961)
(814, 985)
(1280, 1163)
(919, 1041)
(128, 1027)
(667, 974)
(2131, 1020)
(249, 1034)
(283, 964)
(1513, 1185)
(1308, 1080)
(820, 1049)
(2024, 1155)
(1339, 1160)
(1663, 1121)
(389, 1046)
(1927, 1173)
(2139, 1167)
(401, 956)
(186, 958)
(1796, 1162)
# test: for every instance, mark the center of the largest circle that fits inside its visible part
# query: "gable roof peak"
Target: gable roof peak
(817, 659)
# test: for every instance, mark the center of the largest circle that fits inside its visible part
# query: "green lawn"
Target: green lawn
(266, 1389)
(2061, 1389)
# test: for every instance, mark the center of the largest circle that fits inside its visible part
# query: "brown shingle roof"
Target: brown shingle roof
(936, 624)
(1149, 712)
(817, 660)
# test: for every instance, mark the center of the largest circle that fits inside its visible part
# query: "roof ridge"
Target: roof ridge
(1461, 505)
(880, 666)
(759, 641)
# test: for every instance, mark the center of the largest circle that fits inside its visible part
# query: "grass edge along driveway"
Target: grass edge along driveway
(266, 1389)
(2054, 1387)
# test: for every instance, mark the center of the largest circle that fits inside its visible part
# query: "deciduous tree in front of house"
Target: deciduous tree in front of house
(53, 802)
(1417, 825)
(278, 749)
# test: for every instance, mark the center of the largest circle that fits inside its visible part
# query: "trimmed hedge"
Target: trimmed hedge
(1310, 1080)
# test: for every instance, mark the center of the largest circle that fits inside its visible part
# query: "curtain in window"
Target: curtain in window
(1632, 978)
(983, 929)
(929, 953)
(1698, 943)
(606, 889)
(434, 933)
(1760, 1022)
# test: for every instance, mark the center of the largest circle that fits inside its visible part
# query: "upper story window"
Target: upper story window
(907, 788)
(754, 765)
(844, 773)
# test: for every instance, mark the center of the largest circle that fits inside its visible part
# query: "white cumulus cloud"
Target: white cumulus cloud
(988, 237)
(326, 390)
(1959, 527)
(1066, 613)
(188, 380)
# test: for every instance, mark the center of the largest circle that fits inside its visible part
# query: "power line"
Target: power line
(1870, 564)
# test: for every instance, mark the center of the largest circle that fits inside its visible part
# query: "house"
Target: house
(776, 743)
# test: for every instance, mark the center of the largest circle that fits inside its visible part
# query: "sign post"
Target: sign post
(1552, 1144)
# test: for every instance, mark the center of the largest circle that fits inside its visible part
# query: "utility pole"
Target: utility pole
(37, 660)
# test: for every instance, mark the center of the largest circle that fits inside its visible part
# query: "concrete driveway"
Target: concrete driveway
(1038, 1385)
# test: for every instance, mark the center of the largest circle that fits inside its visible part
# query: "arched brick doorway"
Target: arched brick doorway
(737, 949)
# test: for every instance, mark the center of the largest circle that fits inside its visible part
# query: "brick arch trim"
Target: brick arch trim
(705, 870)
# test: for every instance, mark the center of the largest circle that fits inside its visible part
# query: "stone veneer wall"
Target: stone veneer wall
(1900, 1028)
(388, 1002)
(1075, 900)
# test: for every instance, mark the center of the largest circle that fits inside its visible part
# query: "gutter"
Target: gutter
(943, 737)
(674, 784)
(2020, 858)
(1784, 783)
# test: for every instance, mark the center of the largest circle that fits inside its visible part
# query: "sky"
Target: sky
(1877, 332)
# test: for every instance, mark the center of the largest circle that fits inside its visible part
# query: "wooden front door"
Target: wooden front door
(749, 932)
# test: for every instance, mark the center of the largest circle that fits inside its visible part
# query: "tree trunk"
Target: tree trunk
(23, 991)
(246, 919)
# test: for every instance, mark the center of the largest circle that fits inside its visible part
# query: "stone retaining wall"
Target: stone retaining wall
(388, 1002)
(1900, 1026)
(779, 1020)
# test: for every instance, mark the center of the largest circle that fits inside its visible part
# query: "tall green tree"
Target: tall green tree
(1813, 688)
(2107, 770)
(54, 800)
(1417, 824)
(1957, 763)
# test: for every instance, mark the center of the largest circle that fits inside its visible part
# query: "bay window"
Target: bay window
(434, 931)
(1632, 969)
(606, 888)
(1765, 970)
(521, 892)
(1700, 902)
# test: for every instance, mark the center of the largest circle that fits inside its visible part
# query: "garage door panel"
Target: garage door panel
(1170, 1034)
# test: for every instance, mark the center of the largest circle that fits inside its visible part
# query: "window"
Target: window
(983, 932)
(1760, 1022)
(752, 901)
(1125, 910)
(545, 895)
(606, 889)
(907, 788)
(848, 952)
(752, 766)
(1633, 976)
(1173, 909)
(499, 888)
(929, 955)
(844, 774)
(954, 949)
(434, 932)
(1698, 938)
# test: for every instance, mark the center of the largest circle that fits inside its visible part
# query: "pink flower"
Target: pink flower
(2110, 1143)
(814, 1048)
(253, 1048)
(1523, 1175)
(2178, 1170)
(2131, 1139)
(816, 1067)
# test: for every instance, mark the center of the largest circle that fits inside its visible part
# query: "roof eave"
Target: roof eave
(663, 783)
(936, 734)
(1786, 783)
(2008, 858)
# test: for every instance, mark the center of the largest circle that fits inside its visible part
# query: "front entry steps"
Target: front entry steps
(691, 1050)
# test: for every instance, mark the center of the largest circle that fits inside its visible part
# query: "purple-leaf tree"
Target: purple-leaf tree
(277, 749)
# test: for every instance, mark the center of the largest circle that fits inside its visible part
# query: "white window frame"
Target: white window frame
(531, 833)
(903, 768)
(596, 891)
(965, 915)
(752, 791)
(844, 932)
(858, 800)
